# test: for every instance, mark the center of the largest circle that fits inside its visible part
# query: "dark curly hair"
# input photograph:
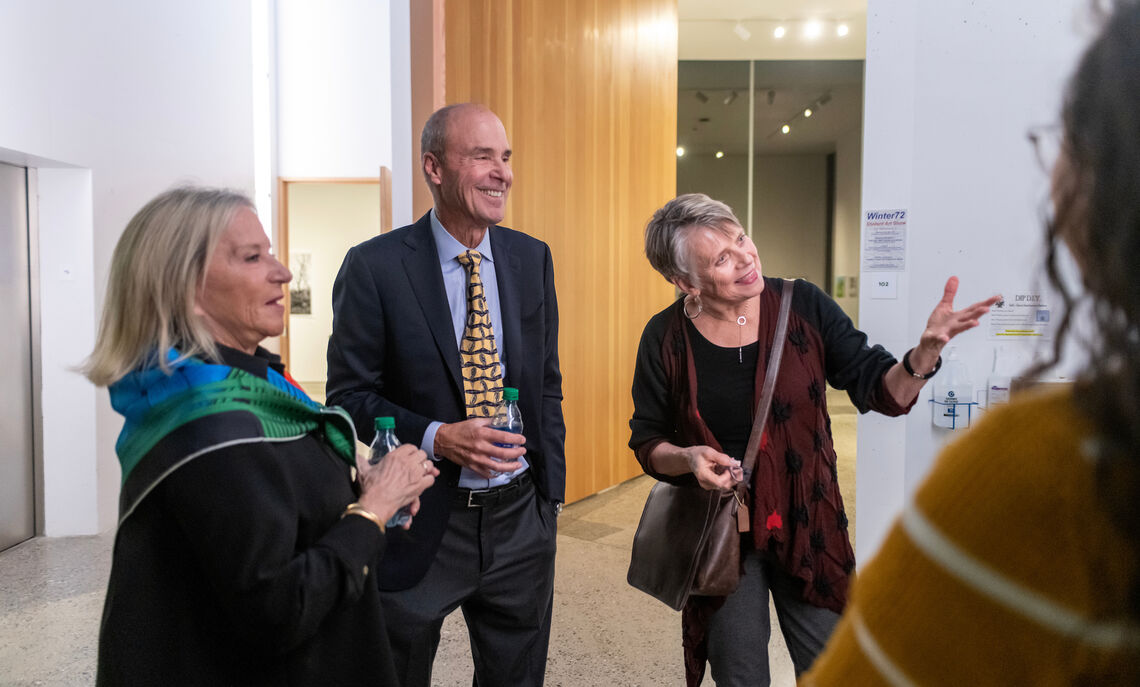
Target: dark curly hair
(1096, 213)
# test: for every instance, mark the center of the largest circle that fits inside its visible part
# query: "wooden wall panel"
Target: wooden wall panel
(587, 92)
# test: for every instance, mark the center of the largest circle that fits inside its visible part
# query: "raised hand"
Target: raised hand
(945, 323)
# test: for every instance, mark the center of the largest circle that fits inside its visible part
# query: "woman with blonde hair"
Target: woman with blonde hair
(245, 550)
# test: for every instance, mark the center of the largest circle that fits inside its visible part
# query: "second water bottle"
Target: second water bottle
(508, 418)
(384, 443)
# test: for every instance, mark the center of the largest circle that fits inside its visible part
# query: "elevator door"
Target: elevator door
(17, 483)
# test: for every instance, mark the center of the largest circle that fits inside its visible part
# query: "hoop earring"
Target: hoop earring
(685, 306)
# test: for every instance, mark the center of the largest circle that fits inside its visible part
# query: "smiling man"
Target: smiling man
(430, 322)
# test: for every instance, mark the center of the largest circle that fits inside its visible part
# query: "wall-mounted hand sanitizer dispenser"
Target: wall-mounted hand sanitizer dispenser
(1001, 378)
(953, 394)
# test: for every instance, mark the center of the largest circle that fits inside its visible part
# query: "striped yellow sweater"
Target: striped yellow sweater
(1003, 571)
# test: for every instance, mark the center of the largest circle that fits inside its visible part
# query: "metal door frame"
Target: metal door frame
(37, 363)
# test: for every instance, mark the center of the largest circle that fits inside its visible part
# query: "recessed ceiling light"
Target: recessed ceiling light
(719, 154)
(785, 129)
(813, 29)
(779, 32)
(842, 30)
(680, 151)
(807, 112)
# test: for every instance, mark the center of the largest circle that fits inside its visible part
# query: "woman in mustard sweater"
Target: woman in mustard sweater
(1018, 562)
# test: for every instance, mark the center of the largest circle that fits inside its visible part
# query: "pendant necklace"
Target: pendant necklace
(741, 321)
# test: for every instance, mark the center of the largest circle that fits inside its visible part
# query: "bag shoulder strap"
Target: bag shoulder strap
(769, 378)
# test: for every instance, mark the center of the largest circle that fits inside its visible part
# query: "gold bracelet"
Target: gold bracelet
(357, 509)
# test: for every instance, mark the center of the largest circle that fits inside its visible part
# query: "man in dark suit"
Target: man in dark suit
(430, 321)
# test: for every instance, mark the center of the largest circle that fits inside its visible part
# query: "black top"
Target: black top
(238, 570)
(724, 396)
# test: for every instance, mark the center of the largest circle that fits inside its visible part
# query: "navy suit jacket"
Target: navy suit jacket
(393, 352)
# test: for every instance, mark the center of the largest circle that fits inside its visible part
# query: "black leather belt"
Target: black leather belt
(504, 493)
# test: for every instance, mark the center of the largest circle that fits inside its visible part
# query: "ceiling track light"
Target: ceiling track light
(809, 29)
(728, 99)
(806, 112)
(701, 97)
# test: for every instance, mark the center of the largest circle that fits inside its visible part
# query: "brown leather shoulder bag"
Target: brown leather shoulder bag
(688, 539)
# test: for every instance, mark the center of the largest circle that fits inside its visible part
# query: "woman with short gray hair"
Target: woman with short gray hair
(700, 367)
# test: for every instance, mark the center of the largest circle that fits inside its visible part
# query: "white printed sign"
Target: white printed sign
(1021, 316)
(884, 285)
(884, 241)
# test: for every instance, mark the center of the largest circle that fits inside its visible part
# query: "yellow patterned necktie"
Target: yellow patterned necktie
(482, 374)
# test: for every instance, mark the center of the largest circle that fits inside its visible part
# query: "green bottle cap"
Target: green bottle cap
(510, 393)
(385, 423)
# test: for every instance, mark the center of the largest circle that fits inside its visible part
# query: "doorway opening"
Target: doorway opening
(320, 219)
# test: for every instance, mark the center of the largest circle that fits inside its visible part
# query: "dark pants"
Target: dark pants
(739, 630)
(497, 564)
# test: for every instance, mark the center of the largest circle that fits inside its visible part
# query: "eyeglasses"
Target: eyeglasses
(1047, 141)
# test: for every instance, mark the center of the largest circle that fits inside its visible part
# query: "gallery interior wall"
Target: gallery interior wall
(111, 103)
(585, 89)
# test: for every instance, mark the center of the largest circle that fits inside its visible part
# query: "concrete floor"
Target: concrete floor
(604, 632)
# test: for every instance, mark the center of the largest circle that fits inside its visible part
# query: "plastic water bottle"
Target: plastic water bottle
(384, 443)
(508, 417)
(952, 387)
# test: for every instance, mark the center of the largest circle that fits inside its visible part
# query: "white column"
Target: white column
(951, 89)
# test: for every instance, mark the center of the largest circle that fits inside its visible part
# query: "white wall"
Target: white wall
(140, 95)
(951, 88)
(333, 87)
(67, 323)
(404, 140)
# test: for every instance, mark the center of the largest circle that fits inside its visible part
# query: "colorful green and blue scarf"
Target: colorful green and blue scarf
(242, 407)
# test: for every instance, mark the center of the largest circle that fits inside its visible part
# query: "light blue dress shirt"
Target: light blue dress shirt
(455, 285)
